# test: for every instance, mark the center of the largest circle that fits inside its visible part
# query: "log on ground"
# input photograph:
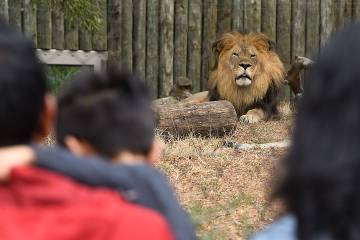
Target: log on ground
(207, 119)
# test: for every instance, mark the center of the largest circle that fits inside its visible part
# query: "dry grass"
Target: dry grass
(225, 190)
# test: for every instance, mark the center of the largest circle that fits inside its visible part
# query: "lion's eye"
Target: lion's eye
(252, 55)
(235, 54)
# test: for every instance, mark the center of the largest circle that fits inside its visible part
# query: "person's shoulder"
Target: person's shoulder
(137, 222)
(282, 229)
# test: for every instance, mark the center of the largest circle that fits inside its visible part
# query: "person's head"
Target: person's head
(108, 114)
(321, 184)
(24, 107)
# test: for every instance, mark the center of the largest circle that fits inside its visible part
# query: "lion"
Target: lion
(248, 73)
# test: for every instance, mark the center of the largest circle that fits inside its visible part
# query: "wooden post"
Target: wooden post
(216, 118)
(194, 44)
(180, 41)
(209, 36)
(43, 26)
(283, 30)
(114, 36)
(29, 26)
(15, 7)
(312, 28)
(237, 23)
(343, 12)
(252, 17)
(4, 10)
(268, 18)
(166, 46)
(71, 35)
(126, 34)
(99, 40)
(85, 40)
(224, 16)
(152, 46)
(58, 31)
(140, 38)
(356, 9)
(326, 21)
(283, 37)
(298, 28)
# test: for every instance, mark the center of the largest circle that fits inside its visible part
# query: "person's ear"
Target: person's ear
(46, 119)
(156, 151)
(78, 147)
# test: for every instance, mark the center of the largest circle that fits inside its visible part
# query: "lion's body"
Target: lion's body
(248, 73)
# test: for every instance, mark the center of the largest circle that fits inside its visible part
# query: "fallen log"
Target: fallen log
(207, 119)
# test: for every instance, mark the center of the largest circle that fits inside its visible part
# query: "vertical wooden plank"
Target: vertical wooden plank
(209, 36)
(71, 35)
(166, 46)
(85, 38)
(298, 28)
(283, 35)
(58, 30)
(356, 10)
(194, 44)
(312, 28)
(326, 20)
(252, 16)
(99, 40)
(15, 13)
(237, 19)
(4, 10)
(152, 46)
(43, 26)
(126, 34)
(224, 16)
(114, 36)
(29, 20)
(343, 12)
(180, 42)
(283, 30)
(140, 37)
(268, 18)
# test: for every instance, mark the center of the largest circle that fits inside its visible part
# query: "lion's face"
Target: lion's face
(246, 65)
(243, 63)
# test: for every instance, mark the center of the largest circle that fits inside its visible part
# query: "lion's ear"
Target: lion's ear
(271, 45)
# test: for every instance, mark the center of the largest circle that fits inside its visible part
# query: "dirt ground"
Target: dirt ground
(226, 191)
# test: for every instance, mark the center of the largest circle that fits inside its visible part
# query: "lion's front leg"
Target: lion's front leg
(253, 116)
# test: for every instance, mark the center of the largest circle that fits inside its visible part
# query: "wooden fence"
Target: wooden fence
(166, 40)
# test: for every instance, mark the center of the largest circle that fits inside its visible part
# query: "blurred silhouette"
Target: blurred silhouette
(321, 179)
(39, 204)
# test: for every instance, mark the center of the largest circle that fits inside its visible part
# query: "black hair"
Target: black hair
(321, 185)
(22, 87)
(111, 111)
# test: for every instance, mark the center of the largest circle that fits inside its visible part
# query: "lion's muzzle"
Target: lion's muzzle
(243, 80)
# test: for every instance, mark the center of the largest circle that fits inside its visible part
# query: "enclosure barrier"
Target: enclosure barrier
(164, 41)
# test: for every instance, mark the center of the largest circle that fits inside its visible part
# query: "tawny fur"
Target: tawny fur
(269, 70)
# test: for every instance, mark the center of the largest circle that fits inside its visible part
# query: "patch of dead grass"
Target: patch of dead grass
(225, 190)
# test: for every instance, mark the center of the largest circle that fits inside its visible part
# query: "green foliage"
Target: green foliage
(86, 13)
(57, 75)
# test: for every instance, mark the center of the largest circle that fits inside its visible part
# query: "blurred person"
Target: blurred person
(321, 179)
(108, 116)
(36, 203)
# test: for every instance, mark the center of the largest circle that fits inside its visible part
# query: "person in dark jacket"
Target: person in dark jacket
(321, 179)
(39, 204)
(110, 115)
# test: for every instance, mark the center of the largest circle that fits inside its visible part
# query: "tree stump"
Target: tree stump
(216, 118)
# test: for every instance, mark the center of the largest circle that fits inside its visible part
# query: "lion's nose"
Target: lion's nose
(245, 65)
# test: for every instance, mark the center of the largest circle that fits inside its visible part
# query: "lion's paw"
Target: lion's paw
(247, 118)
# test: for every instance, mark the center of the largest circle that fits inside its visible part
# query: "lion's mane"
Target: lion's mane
(269, 73)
